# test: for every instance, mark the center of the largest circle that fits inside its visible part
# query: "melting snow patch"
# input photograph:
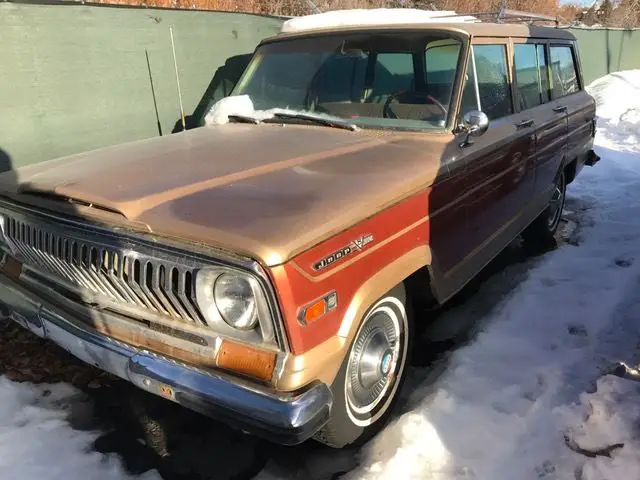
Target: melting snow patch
(37, 442)
(234, 105)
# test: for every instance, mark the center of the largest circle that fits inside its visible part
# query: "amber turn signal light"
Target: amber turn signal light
(247, 360)
(315, 311)
(318, 308)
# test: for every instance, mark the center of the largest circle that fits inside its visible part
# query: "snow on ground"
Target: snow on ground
(532, 382)
(37, 442)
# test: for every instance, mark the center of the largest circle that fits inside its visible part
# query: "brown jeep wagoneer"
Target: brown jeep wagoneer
(264, 271)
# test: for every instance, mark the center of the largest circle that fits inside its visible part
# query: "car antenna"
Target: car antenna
(175, 65)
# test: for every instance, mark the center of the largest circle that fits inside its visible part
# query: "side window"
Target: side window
(531, 75)
(393, 73)
(491, 92)
(564, 76)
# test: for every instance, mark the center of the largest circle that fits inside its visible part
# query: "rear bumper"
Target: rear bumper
(285, 418)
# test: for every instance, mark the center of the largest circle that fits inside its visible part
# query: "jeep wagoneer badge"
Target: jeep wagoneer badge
(354, 246)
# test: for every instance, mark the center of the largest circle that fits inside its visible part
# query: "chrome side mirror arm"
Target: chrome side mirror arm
(474, 123)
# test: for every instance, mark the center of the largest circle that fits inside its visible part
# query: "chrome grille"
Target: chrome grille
(99, 264)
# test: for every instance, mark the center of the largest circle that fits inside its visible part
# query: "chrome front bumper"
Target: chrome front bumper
(285, 418)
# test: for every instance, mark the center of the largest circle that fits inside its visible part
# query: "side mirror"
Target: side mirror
(474, 123)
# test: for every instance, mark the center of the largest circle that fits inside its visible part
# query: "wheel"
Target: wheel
(543, 228)
(371, 376)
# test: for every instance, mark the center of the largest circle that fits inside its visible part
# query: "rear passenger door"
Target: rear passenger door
(568, 94)
(498, 172)
(534, 102)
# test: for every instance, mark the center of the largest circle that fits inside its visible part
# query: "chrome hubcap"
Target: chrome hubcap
(373, 361)
(556, 203)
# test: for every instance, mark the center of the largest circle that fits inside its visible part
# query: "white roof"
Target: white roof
(373, 17)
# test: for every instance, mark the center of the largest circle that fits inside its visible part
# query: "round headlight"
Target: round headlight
(235, 301)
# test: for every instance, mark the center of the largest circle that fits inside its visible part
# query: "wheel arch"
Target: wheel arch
(401, 273)
(570, 170)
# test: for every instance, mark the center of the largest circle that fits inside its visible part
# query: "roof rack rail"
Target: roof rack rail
(506, 15)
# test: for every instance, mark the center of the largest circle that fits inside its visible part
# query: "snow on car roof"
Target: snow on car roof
(372, 17)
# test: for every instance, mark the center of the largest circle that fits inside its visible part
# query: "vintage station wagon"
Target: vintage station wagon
(266, 270)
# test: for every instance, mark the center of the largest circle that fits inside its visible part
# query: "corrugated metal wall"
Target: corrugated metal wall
(605, 51)
(75, 78)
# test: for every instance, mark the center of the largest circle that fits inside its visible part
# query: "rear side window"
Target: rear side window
(491, 92)
(531, 75)
(564, 76)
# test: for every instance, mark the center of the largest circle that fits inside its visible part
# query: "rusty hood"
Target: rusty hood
(267, 191)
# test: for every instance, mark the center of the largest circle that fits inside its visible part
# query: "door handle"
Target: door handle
(525, 123)
(559, 109)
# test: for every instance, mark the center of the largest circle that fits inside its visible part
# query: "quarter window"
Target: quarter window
(531, 75)
(491, 92)
(564, 75)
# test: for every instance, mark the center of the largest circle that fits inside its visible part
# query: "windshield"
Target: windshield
(373, 80)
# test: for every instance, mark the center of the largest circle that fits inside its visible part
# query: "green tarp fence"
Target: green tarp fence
(78, 77)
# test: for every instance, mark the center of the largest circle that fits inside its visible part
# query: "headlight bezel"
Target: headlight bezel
(262, 334)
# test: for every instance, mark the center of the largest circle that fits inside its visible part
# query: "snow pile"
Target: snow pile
(605, 423)
(371, 17)
(618, 99)
(234, 105)
(240, 105)
(37, 442)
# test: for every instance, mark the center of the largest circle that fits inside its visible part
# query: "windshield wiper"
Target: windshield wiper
(244, 119)
(307, 117)
(329, 122)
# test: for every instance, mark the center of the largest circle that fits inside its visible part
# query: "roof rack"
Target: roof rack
(505, 15)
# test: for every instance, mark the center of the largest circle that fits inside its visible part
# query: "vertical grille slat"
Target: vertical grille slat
(112, 275)
(157, 282)
(170, 288)
(133, 277)
(118, 274)
(100, 273)
(147, 286)
(184, 294)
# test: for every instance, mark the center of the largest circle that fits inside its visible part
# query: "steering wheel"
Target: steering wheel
(397, 95)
